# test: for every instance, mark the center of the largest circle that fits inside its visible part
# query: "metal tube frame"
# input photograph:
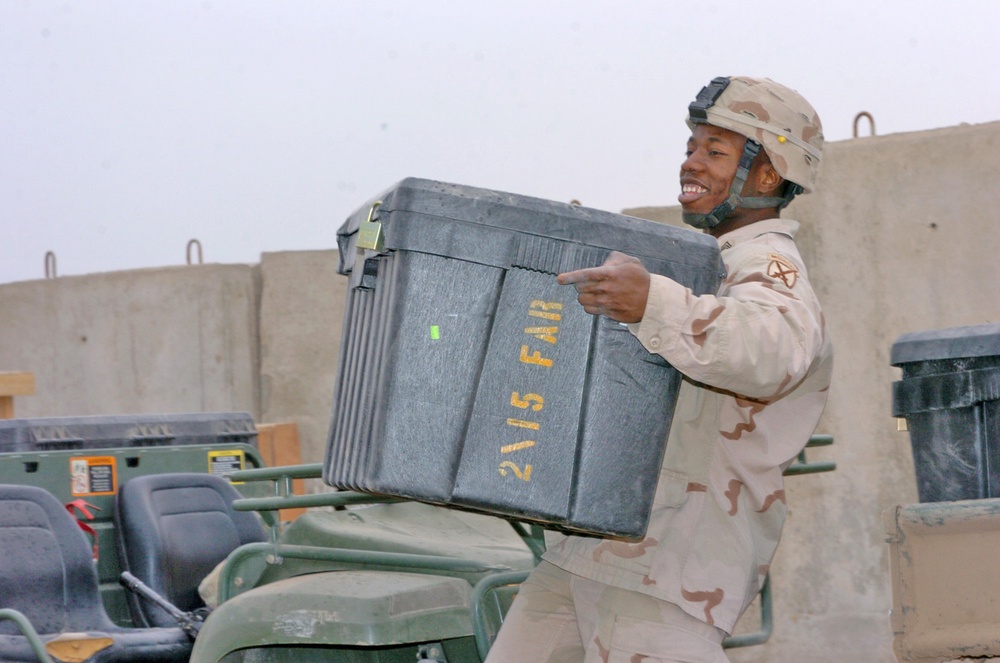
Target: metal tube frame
(9, 614)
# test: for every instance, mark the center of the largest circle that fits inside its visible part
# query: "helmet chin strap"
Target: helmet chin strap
(735, 200)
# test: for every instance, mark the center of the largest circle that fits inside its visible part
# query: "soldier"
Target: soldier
(757, 363)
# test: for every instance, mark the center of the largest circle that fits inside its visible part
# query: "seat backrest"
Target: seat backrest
(172, 530)
(46, 564)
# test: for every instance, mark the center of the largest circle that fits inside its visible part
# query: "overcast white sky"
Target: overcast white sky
(128, 127)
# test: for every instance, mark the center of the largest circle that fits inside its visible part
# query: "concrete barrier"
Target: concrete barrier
(177, 339)
(302, 302)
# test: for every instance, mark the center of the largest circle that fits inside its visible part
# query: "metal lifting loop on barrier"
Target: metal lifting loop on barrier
(871, 122)
(196, 243)
(50, 265)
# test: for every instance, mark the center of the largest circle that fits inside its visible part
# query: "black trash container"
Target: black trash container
(950, 397)
(469, 377)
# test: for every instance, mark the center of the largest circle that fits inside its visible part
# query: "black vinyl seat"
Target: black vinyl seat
(47, 573)
(173, 529)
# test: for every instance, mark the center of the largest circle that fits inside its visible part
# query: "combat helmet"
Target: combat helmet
(771, 116)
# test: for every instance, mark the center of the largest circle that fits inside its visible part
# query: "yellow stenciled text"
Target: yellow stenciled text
(531, 402)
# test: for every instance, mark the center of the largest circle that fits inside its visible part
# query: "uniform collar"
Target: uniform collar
(776, 225)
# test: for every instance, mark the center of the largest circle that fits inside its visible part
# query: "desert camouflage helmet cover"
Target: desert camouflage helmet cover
(775, 116)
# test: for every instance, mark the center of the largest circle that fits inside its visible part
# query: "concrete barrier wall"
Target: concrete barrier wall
(178, 339)
(899, 237)
(301, 319)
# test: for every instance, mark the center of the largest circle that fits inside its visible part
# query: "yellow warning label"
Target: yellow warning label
(224, 462)
(93, 475)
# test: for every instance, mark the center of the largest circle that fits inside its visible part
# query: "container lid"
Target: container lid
(950, 343)
(504, 229)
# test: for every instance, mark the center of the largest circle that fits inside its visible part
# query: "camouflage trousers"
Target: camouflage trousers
(559, 617)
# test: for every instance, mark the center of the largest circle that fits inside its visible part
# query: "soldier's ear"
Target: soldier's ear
(768, 179)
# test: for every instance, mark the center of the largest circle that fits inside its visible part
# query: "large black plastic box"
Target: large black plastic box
(469, 377)
(950, 397)
(125, 431)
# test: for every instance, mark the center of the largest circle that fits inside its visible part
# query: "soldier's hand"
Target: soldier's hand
(617, 289)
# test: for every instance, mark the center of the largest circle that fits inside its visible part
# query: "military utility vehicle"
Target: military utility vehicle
(356, 578)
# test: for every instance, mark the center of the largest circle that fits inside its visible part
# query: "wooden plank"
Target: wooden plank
(17, 384)
(14, 384)
(278, 445)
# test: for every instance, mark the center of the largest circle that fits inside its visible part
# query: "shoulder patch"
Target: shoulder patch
(782, 269)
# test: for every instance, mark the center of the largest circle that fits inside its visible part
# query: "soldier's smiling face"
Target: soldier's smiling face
(713, 154)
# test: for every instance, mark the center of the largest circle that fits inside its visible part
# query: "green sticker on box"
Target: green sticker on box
(435, 333)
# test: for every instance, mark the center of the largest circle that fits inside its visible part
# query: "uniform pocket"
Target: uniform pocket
(671, 488)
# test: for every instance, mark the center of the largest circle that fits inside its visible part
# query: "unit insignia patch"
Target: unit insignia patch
(780, 268)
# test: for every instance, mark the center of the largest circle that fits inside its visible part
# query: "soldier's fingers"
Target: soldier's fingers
(579, 276)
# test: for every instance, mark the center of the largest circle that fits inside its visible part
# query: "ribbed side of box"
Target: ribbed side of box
(409, 375)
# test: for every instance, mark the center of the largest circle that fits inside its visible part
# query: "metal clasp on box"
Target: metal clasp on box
(370, 232)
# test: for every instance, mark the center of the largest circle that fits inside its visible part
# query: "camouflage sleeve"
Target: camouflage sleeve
(757, 338)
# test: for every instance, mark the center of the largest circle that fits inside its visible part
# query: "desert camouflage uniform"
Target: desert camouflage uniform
(557, 613)
(758, 363)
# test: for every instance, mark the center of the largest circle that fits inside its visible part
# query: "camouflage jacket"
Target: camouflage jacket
(757, 364)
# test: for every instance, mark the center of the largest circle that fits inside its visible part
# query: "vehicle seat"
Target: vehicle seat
(47, 573)
(172, 530)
